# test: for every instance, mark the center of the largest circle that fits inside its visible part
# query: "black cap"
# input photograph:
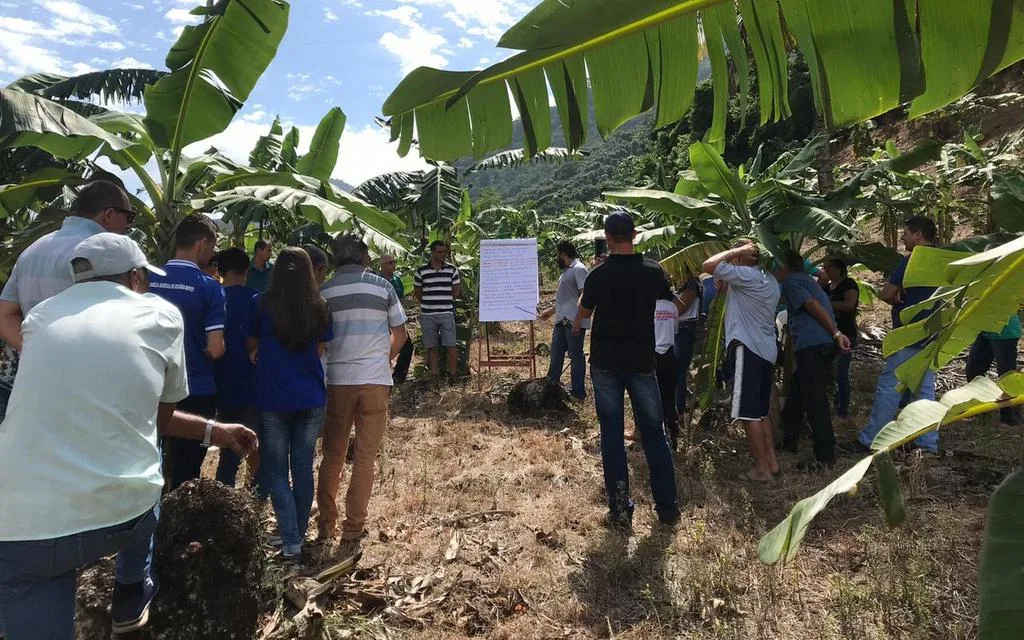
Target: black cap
(619, 224)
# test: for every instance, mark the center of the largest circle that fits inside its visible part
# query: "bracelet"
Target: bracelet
(837, 334)
(209, 433)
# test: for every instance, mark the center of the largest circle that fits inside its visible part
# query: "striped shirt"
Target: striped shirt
(436, 285)
(364, 308)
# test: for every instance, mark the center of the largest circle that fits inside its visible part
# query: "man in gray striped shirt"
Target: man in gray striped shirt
(369, 330)
(436, 285)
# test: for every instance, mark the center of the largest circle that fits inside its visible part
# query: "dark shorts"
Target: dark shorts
(752, 385)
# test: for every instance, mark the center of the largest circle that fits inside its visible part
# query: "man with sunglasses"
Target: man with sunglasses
(42, 271)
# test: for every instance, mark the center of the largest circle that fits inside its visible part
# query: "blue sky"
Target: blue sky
(347, 53)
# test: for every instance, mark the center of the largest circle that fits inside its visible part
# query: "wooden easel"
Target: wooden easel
(489, 360)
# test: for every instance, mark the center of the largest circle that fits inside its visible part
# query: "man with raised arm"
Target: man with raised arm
(750, 303)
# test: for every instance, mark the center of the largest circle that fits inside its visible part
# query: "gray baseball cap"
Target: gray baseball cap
(110, 254)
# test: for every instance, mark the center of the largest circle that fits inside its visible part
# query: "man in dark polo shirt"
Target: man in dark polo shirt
(258, 277)
(621, 295)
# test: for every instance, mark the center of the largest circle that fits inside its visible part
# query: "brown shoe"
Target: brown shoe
(352, 536)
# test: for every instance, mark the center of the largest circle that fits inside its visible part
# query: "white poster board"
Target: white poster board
(509, 288)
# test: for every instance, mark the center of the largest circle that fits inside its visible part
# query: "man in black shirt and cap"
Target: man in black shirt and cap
(621, 294)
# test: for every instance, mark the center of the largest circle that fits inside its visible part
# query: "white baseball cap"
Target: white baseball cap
(110, 254)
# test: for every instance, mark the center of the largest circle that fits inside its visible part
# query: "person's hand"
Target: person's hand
(843, 342)
(254, 356)
(897, 298)
(749, 249)
(576, 327)
(237, 437)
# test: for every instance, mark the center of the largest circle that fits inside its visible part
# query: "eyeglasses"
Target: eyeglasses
(127, 213)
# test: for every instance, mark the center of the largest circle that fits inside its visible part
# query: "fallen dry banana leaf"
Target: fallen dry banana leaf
(453, 547)
(343, 567)
(482, 515)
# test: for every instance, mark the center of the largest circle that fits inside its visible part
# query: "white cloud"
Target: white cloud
(365, 152)
(23, 42)
(131, 63)
(466, 43)
(417, 47)
(329, 15)
(181, 16)
(111, 46)
(484, 18)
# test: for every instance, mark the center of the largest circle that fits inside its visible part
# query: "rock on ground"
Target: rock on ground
(536, 397)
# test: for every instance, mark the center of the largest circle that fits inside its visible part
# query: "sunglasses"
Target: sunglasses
(127, 213)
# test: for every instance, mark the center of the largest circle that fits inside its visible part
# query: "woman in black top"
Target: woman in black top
(844, 294)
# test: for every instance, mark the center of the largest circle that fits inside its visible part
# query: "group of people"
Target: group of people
(650, 360)
(121, 375)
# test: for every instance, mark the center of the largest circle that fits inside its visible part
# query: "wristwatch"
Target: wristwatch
(209, 433)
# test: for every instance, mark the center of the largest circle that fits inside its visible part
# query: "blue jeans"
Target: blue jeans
(609, 390)
(288, 443)
(562, 340)
(38, 577)
(843, 363)
(888, 401)
(686, 339)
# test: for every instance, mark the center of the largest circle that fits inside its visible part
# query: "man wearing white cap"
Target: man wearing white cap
(102, 368)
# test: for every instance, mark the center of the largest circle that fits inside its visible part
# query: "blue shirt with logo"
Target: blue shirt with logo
(911, 295)
(200, 299)
(235, 374)
(797, 289)
(286, 380)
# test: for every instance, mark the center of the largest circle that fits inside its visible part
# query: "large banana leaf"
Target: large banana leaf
(319, 161)
(27, 120)
(338, 212)
(979, 396)
(110, 85)
(388, 190)
(980, 294)
(42, 186)
(266, 153)
(214, 66)
(1002, 563)
(517, 157)
(865, 58)
(712, 356)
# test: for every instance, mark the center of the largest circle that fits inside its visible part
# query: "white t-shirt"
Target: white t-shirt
(78, 448)
(570, 286)
(666, 321)
(750, 305)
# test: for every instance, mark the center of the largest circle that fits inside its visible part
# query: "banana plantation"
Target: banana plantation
(800, 125)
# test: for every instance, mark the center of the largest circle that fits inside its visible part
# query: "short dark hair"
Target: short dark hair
(438, 243)
(567, 248)
(97, 196)
(260, 245)
(349, 249)
(192, 229)
(838, 263)
(233, 260)
(793, 261)
(923, 225)
(316, 255)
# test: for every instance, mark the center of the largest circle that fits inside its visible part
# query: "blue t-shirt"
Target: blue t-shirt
(236, 375)
(707, 296)
(911, 295)
(797, 289)
(286, 380)
(200, 299)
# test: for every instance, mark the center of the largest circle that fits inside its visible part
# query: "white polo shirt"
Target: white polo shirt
(78, 448)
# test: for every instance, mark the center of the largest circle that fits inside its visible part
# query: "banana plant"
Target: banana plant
(865, 57)
(212, 69)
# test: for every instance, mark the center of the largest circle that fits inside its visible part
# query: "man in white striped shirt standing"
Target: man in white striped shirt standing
(436, 285)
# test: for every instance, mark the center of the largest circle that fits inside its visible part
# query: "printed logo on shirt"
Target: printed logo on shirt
(171, 285)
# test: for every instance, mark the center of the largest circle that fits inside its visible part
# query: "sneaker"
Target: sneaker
(129, 609)
(670, 518)
(618, 522)
(291, 551)
(854, 447)
(811, 465)
(274, 541)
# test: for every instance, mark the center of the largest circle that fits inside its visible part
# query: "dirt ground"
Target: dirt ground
(485, 525)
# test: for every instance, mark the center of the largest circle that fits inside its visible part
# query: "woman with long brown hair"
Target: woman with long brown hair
(288, 328)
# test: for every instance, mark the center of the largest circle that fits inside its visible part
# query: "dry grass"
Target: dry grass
(543, 567)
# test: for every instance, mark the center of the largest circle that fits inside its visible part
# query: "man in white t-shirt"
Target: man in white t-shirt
(570, 288)
(750, 303)
(102, 368)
